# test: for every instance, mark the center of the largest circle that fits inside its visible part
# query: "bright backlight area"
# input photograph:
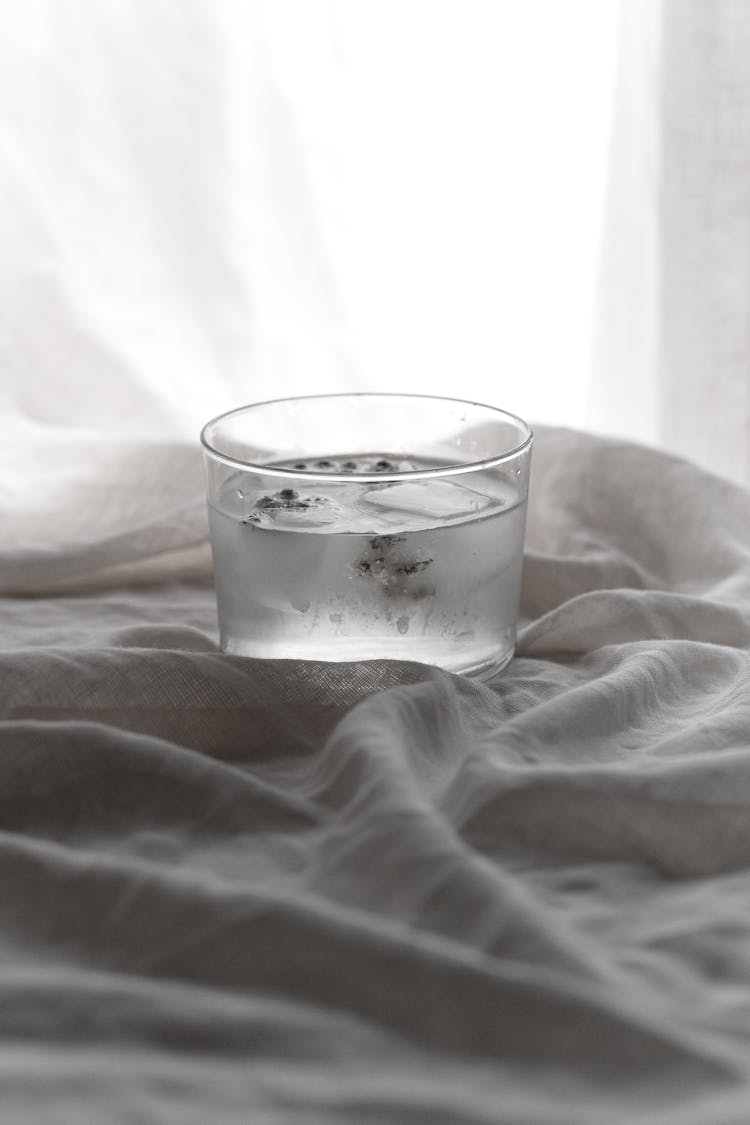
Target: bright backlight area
(213, 204)
(456, 154)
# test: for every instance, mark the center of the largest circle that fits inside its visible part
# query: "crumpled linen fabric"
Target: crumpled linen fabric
(237, 890)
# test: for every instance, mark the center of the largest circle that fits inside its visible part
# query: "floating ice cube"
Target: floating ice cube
(291, 509)
(432, 498)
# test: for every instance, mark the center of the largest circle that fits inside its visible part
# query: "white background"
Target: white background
(205, 203)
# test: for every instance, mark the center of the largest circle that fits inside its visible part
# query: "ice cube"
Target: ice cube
(316, 517)
(433, 498)
(290, 509)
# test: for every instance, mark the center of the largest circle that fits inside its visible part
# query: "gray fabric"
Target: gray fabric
(670, 354)
(239, 891)
(704, 232)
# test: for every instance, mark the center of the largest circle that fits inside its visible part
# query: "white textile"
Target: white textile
(671, 356)
(239, 891)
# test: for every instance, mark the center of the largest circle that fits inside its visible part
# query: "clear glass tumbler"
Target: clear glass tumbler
(369, 526)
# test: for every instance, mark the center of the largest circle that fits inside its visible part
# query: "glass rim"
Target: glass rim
(409, 474)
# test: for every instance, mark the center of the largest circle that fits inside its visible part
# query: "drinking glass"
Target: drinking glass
(369, 526)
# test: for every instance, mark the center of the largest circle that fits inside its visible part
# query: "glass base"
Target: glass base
(485, 670)
(489, 669)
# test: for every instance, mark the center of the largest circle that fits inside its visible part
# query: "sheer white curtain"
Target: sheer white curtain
(672, 362)
(205, 202)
